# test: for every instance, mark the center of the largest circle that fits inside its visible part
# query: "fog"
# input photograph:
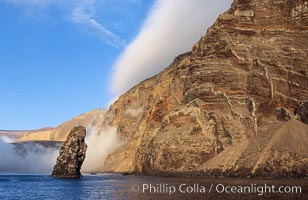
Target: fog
(100, 144)
(36, 158)
(171, 28)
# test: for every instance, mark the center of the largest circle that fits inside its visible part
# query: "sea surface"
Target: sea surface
(116, 186)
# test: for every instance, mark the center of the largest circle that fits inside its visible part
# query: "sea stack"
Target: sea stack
(71, 155)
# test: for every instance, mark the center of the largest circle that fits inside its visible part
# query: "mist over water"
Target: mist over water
(32, 158)
(36, 158)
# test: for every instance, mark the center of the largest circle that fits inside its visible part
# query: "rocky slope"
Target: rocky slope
(71, 155)
(279, 152)
(60, 132)
(230, 97)
(14, 134)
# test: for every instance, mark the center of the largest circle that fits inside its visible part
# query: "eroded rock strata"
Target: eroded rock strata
(219, 108)
(235, 105)
(71, 155)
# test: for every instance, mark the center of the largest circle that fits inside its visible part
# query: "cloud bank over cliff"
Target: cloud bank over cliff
(170, 29)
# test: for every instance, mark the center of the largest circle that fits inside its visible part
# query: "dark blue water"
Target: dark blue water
(113, 186)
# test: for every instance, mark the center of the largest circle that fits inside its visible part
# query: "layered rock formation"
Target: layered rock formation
(237, 87)
(235, 105)
(71, 155)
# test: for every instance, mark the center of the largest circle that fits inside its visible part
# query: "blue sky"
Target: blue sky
(53, 68)
(59, 59)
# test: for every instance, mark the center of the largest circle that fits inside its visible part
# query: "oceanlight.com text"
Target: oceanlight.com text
(257, 189)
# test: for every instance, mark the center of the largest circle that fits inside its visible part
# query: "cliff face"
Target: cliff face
(237, 87)
(236, 104)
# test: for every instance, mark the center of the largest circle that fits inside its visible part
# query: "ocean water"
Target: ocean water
(115, 186)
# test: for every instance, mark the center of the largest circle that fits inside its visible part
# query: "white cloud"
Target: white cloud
(172, 27)
(81, 12)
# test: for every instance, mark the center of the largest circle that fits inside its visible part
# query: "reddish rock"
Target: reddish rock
(247, 70)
